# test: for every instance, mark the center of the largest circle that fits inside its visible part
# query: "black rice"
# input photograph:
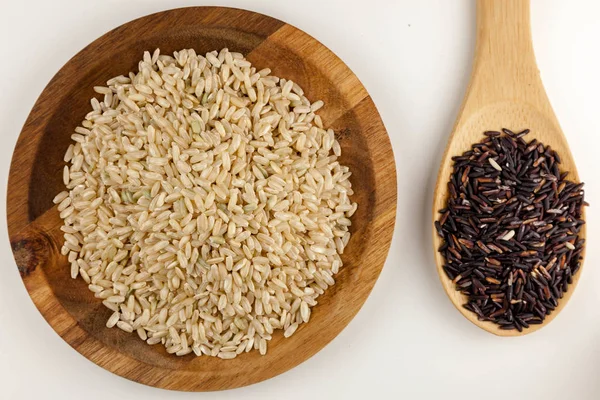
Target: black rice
(510, 229)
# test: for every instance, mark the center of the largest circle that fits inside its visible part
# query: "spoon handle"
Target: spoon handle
(504, 65)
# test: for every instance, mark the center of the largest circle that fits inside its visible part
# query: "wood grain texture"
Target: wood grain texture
(35, 178)
(505, 91)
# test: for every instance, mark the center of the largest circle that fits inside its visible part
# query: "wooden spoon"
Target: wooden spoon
(505, 91)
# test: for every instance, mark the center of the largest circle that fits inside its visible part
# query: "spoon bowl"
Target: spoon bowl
(505, 91)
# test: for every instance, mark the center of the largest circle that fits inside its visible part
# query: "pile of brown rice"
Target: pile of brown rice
(204, 203)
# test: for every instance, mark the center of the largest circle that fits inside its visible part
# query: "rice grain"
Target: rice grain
(205, 204)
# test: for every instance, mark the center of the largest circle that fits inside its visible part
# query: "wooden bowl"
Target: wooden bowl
(35, 178)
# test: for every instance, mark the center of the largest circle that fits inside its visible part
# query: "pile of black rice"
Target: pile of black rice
(511, 229)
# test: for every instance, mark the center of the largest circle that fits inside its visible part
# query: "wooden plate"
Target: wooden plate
(35, 178)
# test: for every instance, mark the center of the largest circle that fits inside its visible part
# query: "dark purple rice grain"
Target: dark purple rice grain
(505, 232)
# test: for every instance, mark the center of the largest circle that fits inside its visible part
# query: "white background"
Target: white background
(408, 341)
